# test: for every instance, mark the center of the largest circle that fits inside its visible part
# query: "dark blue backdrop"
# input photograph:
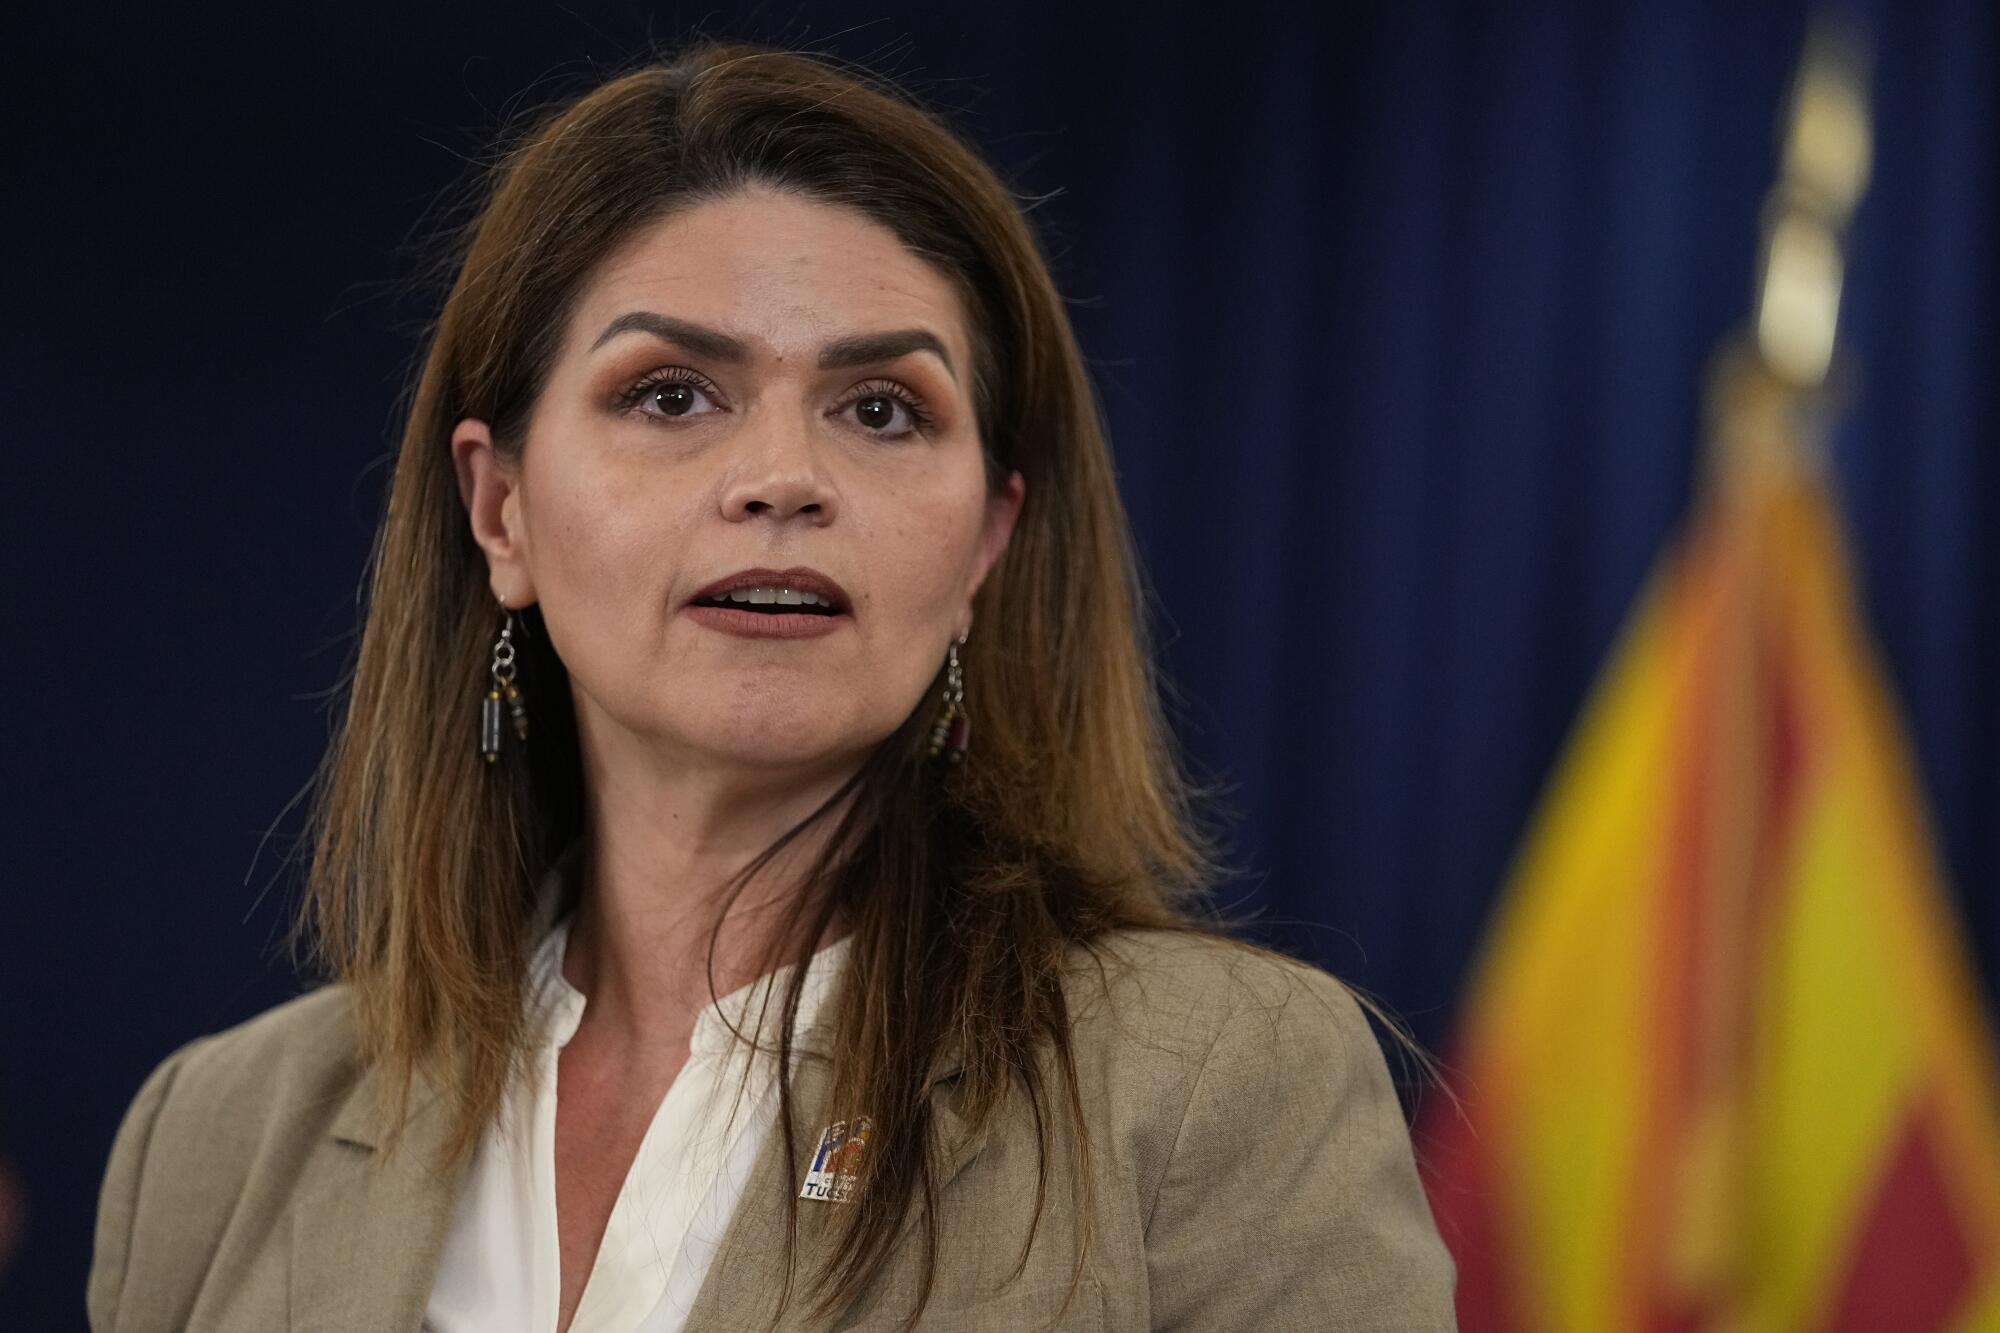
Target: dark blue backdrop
(1399, 315)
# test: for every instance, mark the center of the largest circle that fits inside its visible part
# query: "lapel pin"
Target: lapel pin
(836, 1166)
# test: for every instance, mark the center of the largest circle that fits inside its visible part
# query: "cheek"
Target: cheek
(596, 555)
(602, 559)
(920, 560)
(919, 563)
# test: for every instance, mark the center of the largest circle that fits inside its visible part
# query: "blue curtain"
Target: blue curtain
(1400, 317)
(1404, 346)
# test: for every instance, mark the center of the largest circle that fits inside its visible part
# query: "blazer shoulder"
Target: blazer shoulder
(283, 1075)
(200, 1124)
(1185, 989)
(296, 1054)
(1250, 1098)
(1164, 1021)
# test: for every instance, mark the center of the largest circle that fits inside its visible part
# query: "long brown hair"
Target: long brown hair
(966, 890)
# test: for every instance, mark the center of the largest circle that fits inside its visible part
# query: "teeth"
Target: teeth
(779, 596)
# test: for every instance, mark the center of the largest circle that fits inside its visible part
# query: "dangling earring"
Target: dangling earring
(503, 684)
(953, 730)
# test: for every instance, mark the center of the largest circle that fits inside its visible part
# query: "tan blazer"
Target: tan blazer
(1249, 1169)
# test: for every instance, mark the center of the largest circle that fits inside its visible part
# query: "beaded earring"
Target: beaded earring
(953, 729)
(503, 687)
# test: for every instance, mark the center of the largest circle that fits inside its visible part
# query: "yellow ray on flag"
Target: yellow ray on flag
(1723, 1064)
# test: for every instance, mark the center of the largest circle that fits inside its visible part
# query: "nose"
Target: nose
(779, 474)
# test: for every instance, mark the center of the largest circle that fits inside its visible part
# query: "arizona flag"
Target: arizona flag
(1723, 1065)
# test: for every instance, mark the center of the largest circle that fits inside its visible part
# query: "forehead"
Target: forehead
(780, 271)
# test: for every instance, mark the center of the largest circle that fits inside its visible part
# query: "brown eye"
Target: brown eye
(876, 405)
(877, 411)
(676, 400)
(674, 392)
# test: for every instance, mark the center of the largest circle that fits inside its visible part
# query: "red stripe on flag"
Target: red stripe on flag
(1911, 1265)
(1785, 757)
(1648, 1298)
(1458, 1173)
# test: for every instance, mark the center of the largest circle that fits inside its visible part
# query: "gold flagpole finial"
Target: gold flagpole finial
(1825, 168)
(1768, 396)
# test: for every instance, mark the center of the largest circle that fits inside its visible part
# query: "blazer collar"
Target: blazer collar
(369, 1228)
(370, 1225)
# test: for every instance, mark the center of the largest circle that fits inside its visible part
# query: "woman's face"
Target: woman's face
(758, 382)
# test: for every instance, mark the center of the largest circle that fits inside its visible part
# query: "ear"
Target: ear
(491, 491)
(1003, 507)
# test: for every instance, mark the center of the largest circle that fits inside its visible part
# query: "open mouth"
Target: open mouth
(765, 604)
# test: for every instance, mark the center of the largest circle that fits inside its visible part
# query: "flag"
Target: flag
(1723, 1064)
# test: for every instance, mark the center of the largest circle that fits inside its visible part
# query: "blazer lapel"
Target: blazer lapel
(368, 1229)
(740, 1292)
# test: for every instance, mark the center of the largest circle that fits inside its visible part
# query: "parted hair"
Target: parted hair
(967, 887)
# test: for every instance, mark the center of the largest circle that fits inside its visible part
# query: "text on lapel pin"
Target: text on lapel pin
(836, 1164)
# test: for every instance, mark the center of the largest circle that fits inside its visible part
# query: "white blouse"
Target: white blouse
(500, 1270)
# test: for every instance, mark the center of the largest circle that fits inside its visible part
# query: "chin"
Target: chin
(783, 735)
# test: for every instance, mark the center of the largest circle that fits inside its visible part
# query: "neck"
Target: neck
(655, 881)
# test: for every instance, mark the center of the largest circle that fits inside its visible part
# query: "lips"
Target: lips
(798, 579)
(761, 624)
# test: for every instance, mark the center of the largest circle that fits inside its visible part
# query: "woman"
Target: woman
(817, 683)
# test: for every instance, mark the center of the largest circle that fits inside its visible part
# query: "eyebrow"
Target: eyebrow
(862, 349)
